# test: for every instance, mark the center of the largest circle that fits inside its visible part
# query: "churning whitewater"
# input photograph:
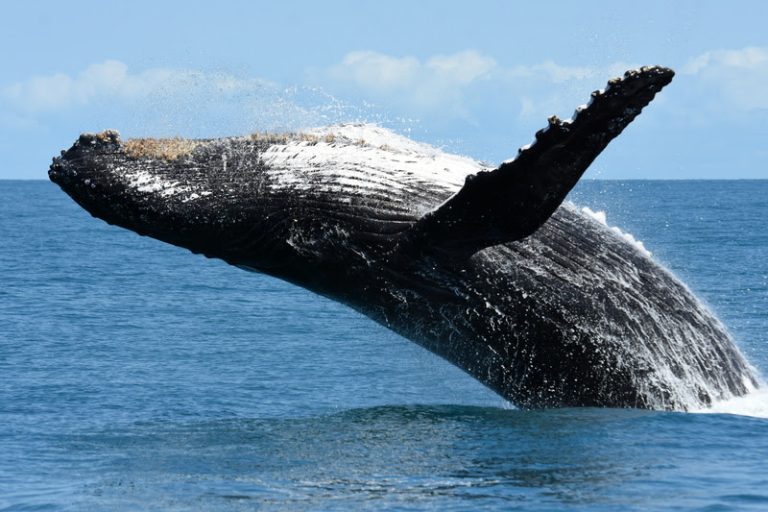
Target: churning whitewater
(487, 267)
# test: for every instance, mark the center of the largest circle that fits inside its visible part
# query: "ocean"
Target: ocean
(137, 376)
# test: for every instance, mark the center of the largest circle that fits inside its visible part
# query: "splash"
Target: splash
(754, 404)
(600, 217)
(201, 105)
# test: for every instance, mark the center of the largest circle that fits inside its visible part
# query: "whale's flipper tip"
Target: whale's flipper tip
(514, 200)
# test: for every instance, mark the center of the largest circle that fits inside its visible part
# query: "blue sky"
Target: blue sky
(477, 77)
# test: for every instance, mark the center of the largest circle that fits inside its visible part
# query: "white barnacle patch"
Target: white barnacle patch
(144, 181)
(196, 195)
(147, 182)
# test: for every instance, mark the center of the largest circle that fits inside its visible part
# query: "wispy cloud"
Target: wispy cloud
(106, 79)
(738, 77)
(550, 71)
(437, 82)
(167, 100)
(455, 85)
(380, 72)
(749, 58)
(467, 85)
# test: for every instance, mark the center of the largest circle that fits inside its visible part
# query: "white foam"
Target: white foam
(600, 217)
(754, 404)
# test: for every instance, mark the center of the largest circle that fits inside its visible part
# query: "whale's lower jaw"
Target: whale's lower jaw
(541, 303)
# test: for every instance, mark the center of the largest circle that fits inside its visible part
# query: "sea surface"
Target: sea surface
(137, 376)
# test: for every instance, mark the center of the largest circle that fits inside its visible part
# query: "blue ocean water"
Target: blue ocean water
(137, 376)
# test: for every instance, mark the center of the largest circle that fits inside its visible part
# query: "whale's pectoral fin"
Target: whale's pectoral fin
(513, 201)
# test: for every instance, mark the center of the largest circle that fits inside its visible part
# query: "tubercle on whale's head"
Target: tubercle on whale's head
(78, 168)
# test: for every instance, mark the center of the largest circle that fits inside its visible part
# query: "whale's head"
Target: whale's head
(166, 190)
(266, 202)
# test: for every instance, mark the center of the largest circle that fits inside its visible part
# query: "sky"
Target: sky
(477, 78)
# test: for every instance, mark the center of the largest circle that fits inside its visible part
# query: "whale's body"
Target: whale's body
(487, 268)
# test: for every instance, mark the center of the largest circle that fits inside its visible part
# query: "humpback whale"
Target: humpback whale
(488, 267)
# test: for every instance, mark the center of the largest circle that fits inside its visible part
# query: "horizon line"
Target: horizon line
(581, 180)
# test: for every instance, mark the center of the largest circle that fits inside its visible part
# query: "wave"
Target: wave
(754, 404)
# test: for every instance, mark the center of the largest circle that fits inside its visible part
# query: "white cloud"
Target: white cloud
(61, 91)
(111, 80)
(738, 77)
(455, 85)
(551, 71)
(749, 58)
(461, 68)
(378, 72)
(437, 82)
